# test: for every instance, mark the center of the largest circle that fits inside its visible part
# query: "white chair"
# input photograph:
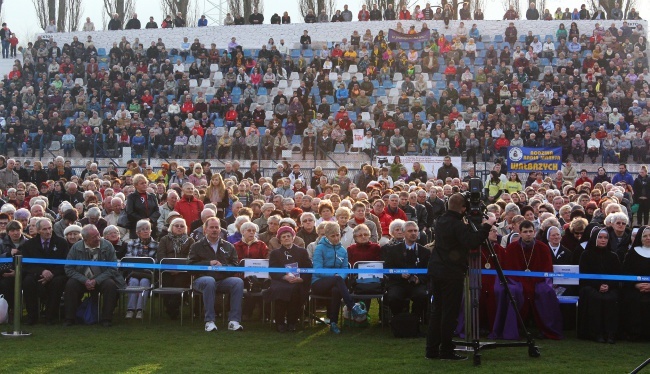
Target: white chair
(79, 81)
(262, 99)
(282, 84)
(333, 76)
(218, 75)
(55, 145)
(359, 77)
(205, 83)
(193, 83)
(346, 76)
(294, 76)
(397, 77)
(394, 92)
(295, 84)
(353, 69)
(365, 116)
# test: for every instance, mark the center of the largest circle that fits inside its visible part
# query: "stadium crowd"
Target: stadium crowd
(449, 96)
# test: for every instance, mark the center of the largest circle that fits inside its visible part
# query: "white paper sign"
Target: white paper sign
(371, 265)
(286, 153)
(256, 263)
(571, 269)
(357, 135)
(430, 164)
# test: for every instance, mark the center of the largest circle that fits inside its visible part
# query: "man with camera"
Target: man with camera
(447, 269)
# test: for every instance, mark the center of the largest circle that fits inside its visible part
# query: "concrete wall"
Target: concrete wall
(254, 36)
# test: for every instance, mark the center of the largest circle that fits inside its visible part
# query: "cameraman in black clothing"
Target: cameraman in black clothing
(447, 268)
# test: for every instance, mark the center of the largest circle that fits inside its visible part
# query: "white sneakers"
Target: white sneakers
(138, 315)
(129, 314)
(210, 326)
(232, 326)
(235, 326)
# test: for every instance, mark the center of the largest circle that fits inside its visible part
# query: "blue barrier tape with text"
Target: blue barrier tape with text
(239, 269)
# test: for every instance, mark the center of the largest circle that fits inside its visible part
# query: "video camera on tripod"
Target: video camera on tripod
(473, 201)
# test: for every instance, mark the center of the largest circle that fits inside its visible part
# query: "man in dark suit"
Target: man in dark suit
(44, 280)
(400, 288)
(214, 251)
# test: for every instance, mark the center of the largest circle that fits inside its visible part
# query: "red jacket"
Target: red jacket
(190, 209)
(188, 107)
(257, 249)
(404, 15)
(364, 252)
(364, 15)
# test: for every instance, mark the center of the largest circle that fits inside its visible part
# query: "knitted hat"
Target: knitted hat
(285, 229)
(72, 228)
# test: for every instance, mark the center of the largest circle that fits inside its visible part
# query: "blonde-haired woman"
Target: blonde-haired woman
(197, 178)
(330, 254)
(218, 194)
(343, 215)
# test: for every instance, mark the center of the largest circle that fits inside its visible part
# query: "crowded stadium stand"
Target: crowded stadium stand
(144, 136)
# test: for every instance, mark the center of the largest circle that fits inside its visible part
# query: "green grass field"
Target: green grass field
(166, 347)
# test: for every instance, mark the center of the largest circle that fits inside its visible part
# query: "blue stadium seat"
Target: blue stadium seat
(330, 99)
(218, 122)
(352, 116)
(308, 53)
(375, 83)
(295, 53)
(381, 91)
(262, 91)
(262, 129)
(236, 91)
(498, 39)
(101, 52)
(189, 59)
(335, 107)
(296, 139)
(235, 99)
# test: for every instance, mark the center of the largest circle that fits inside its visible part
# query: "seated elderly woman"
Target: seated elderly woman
(363, 249)
(330, 254)
(396, 231)
(72, 234)
(343, 215)
(288, 290)
(250, 247)
(142, 246)
(237, 235)
(599, 298)
(112, 234)
(620, 235)
(637, 294)
(176, 244)
(274, 242)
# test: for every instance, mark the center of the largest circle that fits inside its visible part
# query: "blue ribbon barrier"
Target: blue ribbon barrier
(239, 269)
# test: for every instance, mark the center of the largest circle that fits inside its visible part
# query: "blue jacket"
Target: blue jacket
(328, 256)
(627, 178)
(203, 22)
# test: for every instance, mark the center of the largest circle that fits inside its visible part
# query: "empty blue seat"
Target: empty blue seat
(189, 59)
(404, 45)
(236, 91)
(335, 107)
(308, 53)
(330, 99)
(235, 99)
(296, 139)
(375, 83)
(262, 129)
(218, 122)
(352, 116)
(247, 53)
(480, 46)
(295, 53)
(460, 107)
(261, 91)
(101, 52)
(522, 38)
(498, 38)
(381, 91)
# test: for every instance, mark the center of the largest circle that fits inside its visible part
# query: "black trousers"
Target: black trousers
(644, 212)
(49, 292)
(7, 289)
(335, 288)
(447, 296)
(173, 302)
(289, 309)
(398, 298)
(74, 291)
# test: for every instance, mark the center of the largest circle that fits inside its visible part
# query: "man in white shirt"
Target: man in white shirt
(282, 48)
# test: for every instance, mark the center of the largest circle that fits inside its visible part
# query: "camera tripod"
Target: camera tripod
(472, 295)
